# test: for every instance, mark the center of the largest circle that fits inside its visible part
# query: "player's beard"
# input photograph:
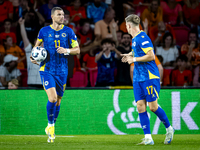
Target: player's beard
(59, 22)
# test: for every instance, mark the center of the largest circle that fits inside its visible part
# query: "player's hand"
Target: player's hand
(130, 59)
(124, 58)
(61, 50)
(33, 61)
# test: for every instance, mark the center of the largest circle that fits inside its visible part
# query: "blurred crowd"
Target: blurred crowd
(172, 25)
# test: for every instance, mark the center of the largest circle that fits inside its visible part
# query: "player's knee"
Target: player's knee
(53, 99)
(153, 108)
(141, 108)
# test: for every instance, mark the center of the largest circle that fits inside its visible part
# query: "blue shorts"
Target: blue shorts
(57, 81)
(148, 90)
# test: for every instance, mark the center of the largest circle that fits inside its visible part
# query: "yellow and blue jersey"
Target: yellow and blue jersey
(143, 71)
(56, 63)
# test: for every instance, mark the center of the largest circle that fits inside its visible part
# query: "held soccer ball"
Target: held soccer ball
(39, 54)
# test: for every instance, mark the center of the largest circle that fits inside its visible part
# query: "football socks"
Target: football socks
(145, 123)
(56, 113)
(51, 108)
(162, 116)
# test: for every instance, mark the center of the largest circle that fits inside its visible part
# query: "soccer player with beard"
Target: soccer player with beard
(59, 41)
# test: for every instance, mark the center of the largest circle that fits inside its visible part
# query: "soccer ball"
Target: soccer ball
(39, 54)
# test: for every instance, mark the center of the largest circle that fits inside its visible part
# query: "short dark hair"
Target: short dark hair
(66, 12)
(7, 20)
(108, 40)
(194, 31)
(107, 10)
(134, 19)
(126, 33)
(83, 21)
(182, 58)
(165, 36)
(54, 9)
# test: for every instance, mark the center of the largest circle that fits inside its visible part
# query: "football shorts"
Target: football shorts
(148, 90)
(58, 81)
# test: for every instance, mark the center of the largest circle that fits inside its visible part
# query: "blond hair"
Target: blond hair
(134, 19)
(15, 82)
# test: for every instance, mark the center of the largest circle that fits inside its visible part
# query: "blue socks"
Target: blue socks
(162, 116)
(145, 123)
(51, 108)
(56, 113)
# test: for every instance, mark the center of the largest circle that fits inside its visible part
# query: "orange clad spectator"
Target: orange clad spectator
(104, 28)
(2, 54)
(154, 13)
(191, 12)
(171, 12)
(192, 49)
(76, 11)
(6, 8)
(85, 33)
(7, 26)
(14, 50)
(195, 60)
(89, 60)
(156, 33)
(181, 76)
(67, 20)
(166, 72)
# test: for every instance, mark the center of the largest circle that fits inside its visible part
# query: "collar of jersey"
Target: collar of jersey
(138, 33)
(55, 29)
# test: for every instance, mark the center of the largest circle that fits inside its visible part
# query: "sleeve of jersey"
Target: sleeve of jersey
(40, 36)
(145, 44)
(73, 39)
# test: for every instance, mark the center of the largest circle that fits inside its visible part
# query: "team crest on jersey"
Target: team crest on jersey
(57, 36)
(142, 36)
(46, 83)
(50, 35)
(64, 35)
(134, 43)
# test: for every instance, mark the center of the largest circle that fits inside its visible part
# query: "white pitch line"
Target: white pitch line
(39, 135)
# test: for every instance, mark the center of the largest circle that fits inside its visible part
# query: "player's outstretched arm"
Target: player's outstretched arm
(129, 54)
(126, 57)
(148, 57)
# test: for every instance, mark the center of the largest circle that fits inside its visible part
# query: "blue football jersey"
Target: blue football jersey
(106, 68)
(143, 71)
(56, 63)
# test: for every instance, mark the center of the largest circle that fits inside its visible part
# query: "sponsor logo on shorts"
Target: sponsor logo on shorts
(46, 83)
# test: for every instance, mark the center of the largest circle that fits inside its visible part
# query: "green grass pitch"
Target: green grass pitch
(97, 142)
